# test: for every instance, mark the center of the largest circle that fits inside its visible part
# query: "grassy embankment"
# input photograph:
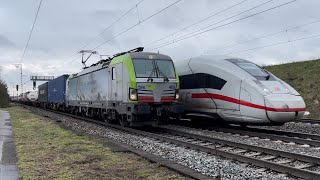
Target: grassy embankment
(305, 78)
(46, 151)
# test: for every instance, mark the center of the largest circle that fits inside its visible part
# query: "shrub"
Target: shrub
(4, 96)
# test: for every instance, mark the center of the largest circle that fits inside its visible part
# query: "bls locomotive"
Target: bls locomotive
(136, 88)
(236, 91)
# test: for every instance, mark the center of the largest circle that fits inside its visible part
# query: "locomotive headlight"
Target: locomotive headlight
(133, 94)
(177, 95)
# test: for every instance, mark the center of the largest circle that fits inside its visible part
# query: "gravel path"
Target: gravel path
(200, 161)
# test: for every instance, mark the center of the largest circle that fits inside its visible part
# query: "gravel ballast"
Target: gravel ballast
(266, 143)
(200, 161)
(296, 127)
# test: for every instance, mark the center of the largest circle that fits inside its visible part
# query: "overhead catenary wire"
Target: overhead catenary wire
(223, 20)
(71, 59)
(28, 41)
(133, 26)
(275, 44)
(237, 20)
(112, 24)
(149, 17)
(264, 36)
(197, 22)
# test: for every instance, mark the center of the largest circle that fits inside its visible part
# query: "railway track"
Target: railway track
(127, 148)
(285, 136)
(276, 160)
(311, 121)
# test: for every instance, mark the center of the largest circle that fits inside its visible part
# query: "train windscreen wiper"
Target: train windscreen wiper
(153, 70)
(165, 78)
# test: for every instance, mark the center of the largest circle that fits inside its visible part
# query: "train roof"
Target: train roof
(135, 54)
(205, 63)
(146, 55)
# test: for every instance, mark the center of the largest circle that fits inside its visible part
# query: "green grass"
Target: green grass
(305, 78)
(47, 151)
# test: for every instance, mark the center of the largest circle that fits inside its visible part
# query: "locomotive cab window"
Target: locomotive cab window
(113, 73)
(253, 69)
(145, 68)
(165, 68)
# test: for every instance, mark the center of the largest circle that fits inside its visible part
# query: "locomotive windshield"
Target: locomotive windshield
(146, 68)
(253, 69)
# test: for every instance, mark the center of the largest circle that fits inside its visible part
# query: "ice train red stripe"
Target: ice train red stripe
(244, 103)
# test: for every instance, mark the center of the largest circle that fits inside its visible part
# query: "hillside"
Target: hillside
(305, 78)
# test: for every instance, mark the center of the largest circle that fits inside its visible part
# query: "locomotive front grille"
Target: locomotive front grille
(156, 95)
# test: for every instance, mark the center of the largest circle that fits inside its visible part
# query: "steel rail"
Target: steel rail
(302, 173)
(311, 121)
(287, 136)
(188, 172)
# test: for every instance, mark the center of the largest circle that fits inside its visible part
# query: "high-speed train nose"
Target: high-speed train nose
(284, 107)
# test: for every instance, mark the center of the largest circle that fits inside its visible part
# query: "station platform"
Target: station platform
(8, 156)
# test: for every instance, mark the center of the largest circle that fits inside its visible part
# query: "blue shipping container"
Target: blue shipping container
(43, 93)
(57, 89)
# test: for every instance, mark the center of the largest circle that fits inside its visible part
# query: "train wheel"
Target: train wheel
(123, 121)
(243, 126)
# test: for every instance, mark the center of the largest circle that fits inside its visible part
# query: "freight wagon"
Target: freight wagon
(57, 92)
(43, 94)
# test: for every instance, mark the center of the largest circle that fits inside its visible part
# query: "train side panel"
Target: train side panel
(90, 89)
(43, 93)
(57, 89)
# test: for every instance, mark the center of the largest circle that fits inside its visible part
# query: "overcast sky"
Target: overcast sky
(64, 27)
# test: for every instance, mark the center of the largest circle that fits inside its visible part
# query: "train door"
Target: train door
(113, 83)
(251, 103)
(245, 97)
(116, 82)
(119, 82)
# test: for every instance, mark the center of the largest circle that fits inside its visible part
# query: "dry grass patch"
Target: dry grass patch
(46, 151)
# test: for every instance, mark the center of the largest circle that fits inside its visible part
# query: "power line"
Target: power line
(131, 27)
(34, 22)
(201, 20)
(275, 44)
(240, 19)
(216, 22)
(26, 82)
(264, 36)
(117, 20)
(99, 34)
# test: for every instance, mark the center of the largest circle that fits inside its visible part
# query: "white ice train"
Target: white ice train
(237, 91)
(29, 97)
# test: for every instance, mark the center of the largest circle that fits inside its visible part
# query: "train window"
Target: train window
(113, 73)
(144, 68)
(166, 67)
(252, 69)
(201, 80)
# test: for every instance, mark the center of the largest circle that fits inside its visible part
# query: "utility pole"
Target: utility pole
(21, 85)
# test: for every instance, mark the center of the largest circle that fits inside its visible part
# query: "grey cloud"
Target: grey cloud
(5, 42)
(63, 27)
